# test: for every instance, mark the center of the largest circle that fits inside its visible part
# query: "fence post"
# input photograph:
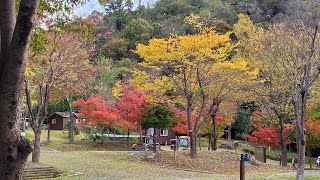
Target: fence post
(242, 170)
(310, 162)
(242, 167)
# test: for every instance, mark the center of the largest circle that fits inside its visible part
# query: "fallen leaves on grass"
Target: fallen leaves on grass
(221, 162)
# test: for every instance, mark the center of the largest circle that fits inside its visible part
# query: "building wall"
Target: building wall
(80, 122)
(59, 122)
(160, 139)
(165, 139)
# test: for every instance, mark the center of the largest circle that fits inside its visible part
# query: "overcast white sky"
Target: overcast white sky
(92, 5)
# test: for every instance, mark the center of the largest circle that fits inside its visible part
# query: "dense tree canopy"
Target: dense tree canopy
(174, 64)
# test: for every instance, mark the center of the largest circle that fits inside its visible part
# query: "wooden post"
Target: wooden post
(199, 140)
(229, 133)
(310, 162)
(128, 137)
(48, 137)
(242, 170)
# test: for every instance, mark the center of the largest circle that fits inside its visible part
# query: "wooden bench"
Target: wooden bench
(38, 172)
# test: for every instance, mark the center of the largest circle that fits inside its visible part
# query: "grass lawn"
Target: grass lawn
(121, 165)
(113, 165)
(59, 141)
(111, 160)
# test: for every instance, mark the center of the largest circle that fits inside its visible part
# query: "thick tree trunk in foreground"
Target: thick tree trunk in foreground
(15, 35)
(36, 145)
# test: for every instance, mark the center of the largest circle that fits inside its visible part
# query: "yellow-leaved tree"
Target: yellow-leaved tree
(187, 67)
(288, 57)
(269, 92)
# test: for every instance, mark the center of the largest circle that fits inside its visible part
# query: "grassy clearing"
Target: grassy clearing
(59, 142)
(121, 165)
(86, 158)
(113, 165)
(222, 162)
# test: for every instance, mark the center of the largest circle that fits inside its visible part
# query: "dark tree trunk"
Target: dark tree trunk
(309, 156)
(300, 112)
(14, 39)
(284, 155)
(36, 145)
(193, 145)
(229, 133)
(48, 137)
(199, 141)
(154, 140)
(70, 127)
(140, 135)
(14, 149)
(209, 144)
(214, 143)
(283, 139)
(37, 121)
(128, 137)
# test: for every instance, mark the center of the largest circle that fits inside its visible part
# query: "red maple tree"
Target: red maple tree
(131, 106)
(268, 136)
(98, 112)
(126, 114)
(182, 126)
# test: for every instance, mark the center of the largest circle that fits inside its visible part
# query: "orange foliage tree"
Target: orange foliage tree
(313, 134)
(63, 68)
(127, 113)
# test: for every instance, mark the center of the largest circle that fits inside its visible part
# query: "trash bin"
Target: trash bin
(173, 144)
(260, 154)
(158, 147)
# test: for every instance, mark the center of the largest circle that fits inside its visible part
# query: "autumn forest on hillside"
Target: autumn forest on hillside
(214, 71)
